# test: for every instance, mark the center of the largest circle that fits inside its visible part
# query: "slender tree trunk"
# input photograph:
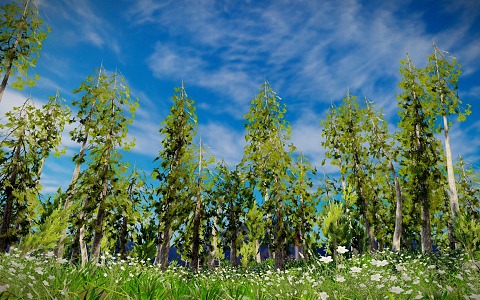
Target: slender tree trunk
(397, 234)
(233, 245)
(258, 256)
(60, 248)
(81, 233)
(280, 240)
(196, 218)
(425, 232)
(452, 187)
(163, 248)
(123, 237)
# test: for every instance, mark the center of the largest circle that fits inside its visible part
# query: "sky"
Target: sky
(310, 52)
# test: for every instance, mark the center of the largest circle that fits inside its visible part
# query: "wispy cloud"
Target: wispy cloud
(81, 23)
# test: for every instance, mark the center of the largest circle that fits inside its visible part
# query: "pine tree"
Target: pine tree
(419, 146)
(112, 113)
(20, 42)
(267, 155)
(346, 146)
(175, 169)
(441, 80)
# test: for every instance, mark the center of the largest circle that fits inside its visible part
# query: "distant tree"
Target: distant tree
(20, 42)
(267, 155)
(174, 173)
(419, 146)
(302, 204)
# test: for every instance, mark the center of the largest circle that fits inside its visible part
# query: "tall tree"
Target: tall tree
(419, 146)
(302, 204)
(175, 169)
(268, 156)
(20, 42)
(346, 146)
(113, 112)
(29, 136)
(384, 149)
(441, 80)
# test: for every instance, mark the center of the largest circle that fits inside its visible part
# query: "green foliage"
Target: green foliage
(21, 40)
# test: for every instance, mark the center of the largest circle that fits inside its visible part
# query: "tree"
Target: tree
(267, 155)
(384, 149)
(175, 169)
(345, 140)
(20, 42)
(302, 204)
(30, 135)
(419, 146)
(441, 80)
(112, 113)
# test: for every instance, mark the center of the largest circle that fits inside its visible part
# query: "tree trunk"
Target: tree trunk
(163, 247)
(123, 237)
(450, 173)
(196, 217)
(81, 233)
(60, 248)
(280, 240)
(397, 234)
(425, 232)
(196, 234)
(233, 251)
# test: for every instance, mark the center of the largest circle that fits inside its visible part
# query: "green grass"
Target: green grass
(382, 275)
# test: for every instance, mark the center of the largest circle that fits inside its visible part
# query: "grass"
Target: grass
(383, 275)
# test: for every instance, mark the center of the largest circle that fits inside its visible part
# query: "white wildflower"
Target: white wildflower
(342, 250)
(323, 296)
(356, 269)
(326, 259)
(340, 279)
(375, 277)
(396, 289)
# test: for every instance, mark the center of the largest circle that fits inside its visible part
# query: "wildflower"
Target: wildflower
(4, 288)
(419, 295)
(45, 283)
(399, 268)
(323, 296)
(51, 277)
(375, 277)
(406, 277)
(459, 276)
(449, 288)
(356, 269)
(326, 259)
(396, 289)
(342, 250)
(441, 272)
(340, 279)
(29, 296)
(379, 263)
(475, 296)
(408, 292)
(362, 285)
(39, 270)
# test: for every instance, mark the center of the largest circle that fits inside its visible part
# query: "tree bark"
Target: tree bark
(425, 232)
(397, 234)
(163, 248)
(452, 187)
(194, 263)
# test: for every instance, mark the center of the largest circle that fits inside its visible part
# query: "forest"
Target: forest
(399, 190)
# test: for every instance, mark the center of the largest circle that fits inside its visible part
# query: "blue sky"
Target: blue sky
(309, 51)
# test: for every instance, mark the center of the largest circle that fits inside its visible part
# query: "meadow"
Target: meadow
(382, 275)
